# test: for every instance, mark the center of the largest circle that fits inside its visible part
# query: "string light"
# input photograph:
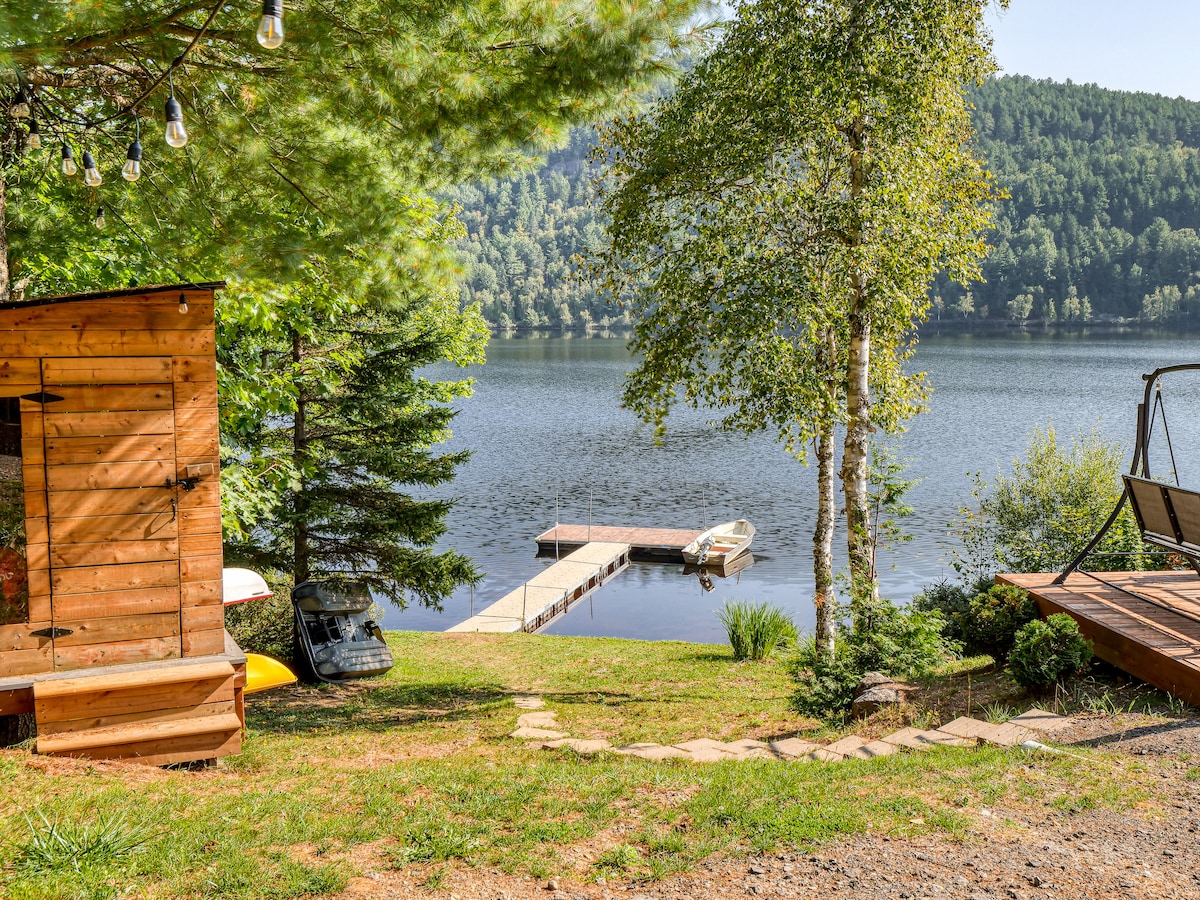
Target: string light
(20, 105)
(176, 134)
(183, 307)
(68, 163)
(100, 221)
(33, 140)
(270, 27)
(91, 175)
(132, 170)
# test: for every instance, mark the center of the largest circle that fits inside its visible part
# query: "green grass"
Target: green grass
(416, 770)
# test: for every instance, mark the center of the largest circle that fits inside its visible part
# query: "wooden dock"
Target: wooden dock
(1151, 636)
(645, 544)
(548, 595)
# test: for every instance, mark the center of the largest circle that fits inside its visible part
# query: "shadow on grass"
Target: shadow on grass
(370, 705)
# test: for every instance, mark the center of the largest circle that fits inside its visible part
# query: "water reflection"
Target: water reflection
(547, 434)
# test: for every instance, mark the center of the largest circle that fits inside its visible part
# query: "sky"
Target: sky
(1131, 45)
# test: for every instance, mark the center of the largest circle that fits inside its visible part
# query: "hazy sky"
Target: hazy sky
(1133, 45)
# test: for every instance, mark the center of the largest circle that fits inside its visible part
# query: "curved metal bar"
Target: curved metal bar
(1141, 454)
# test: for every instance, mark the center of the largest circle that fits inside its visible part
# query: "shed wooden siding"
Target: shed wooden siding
(130, 566)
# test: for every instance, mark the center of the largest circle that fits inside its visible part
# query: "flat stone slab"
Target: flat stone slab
(653, 751)
(793, 748)
(1004, 735)
(708, 745)
(823, 755)
(747, 744)
(537, 720)
(917, 739)
(846, 745)
(579, 745)
(874, 749)
(537, 734)
(529, 702)
(1040, 720)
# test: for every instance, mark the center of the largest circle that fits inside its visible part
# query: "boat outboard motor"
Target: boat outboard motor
(337, 638)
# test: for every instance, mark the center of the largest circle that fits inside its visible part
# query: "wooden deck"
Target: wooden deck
(549, 594)
(1156, 644)
(645, 544)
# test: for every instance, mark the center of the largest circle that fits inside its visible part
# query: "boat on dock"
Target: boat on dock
(719, 545)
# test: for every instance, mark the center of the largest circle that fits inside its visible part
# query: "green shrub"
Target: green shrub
(755, 631)
(1045, 652)
(995, 617)
(952, 602)
(881, 638)
(265, 626)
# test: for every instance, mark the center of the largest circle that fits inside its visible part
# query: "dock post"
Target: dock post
(524, 603)
(589, 515)
(556, 525)
(472, 601)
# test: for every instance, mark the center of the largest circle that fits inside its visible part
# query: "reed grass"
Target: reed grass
(755, 631)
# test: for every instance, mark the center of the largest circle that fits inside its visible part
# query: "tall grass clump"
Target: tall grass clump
(756, 630)
(57, 847)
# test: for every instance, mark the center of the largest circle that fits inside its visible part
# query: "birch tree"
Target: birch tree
(777, 221)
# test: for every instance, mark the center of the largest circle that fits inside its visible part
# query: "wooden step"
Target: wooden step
(170, 714)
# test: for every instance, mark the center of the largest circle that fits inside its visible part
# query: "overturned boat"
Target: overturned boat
(336, 638)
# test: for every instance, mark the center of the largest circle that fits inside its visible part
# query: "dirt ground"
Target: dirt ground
(1020, 854)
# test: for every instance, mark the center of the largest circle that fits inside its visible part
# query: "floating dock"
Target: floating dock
(548, 595)
(645, 544)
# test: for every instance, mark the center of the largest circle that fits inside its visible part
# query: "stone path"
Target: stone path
(541, 726)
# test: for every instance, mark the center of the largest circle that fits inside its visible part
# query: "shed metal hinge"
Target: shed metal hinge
(42, 397)
(53, 632)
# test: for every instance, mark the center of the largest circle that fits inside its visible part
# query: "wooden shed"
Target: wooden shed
(111, 622)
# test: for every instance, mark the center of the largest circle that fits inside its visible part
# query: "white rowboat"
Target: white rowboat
(717, 546)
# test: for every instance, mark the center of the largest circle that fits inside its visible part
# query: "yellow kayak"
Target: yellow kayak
(264, 673)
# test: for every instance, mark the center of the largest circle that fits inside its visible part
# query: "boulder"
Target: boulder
(877, 692)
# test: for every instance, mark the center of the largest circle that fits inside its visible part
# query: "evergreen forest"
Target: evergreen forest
(1101, 222)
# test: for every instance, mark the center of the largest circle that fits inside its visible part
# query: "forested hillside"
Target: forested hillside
(1102, 221)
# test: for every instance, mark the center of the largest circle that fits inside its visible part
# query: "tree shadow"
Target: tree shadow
(370, 705)
(1165, 729)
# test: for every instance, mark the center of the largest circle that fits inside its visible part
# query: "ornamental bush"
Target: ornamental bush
(994, 618)
(1045, 652)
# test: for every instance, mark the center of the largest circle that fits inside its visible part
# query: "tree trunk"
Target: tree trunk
(858, 391)
(300, 549)
(823, 597)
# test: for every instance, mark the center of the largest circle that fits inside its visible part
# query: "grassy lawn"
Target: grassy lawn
(416, 769)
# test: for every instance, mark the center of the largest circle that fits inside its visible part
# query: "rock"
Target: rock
(872, 679)
(874, 699)
(552, 885)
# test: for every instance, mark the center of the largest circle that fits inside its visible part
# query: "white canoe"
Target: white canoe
(717, 546)
(242, 585)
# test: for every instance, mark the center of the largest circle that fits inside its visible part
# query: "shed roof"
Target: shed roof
(122, 292)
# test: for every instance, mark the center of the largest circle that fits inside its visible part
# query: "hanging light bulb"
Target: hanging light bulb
(100, 221)
(91, 175)
(20, 104)
(270, 27)
(33, 140)
(68, 163)
(182, 303)
(132, 170)
(176, 134)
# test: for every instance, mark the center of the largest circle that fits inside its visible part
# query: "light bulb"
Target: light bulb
(176, 134)
(91, 175)
(100, 220)
(20, 104)
(68, 164)
(270, 27)
(33, 140)
(132, 170)
(182, 303)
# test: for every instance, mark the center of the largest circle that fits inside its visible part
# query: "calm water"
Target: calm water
(546, 430)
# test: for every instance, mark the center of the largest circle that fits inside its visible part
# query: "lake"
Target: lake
(551, 443)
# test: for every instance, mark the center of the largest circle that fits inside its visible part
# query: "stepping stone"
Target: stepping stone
(748, 744)
(529, 702)
(1004, 735)
(875, 748)
(793, 748)
(653, 751)
(1040, 720)
(537, 734)
(708, 746)
(847, 745)
(537, 720)
(823, 755)
(580, 746)
(916, 739)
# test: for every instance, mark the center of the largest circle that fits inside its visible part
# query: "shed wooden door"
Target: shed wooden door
(113, 517)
